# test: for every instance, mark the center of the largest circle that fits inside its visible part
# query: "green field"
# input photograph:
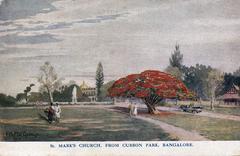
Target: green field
(77, 124)
(226, 110)
(214, 129)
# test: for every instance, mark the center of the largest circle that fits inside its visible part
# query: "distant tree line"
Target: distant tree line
(7, 100)
(63, 94)
(200, 78)
(52, 89)
(205, 81)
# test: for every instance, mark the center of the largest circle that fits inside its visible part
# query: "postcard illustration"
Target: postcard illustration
(119, 70)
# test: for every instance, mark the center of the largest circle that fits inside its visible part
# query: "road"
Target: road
(204, 113)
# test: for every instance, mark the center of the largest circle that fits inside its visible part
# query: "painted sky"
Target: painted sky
(127, 36)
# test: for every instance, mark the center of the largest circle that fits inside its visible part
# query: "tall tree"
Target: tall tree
(195, 78)
(214, 80)
(99, 80)
(174, 71)
(27, 90)
(7, 100)
(237, 72)
(48, 79)
(20, 96)
(151, 86)
(175, 64)
(176, 58)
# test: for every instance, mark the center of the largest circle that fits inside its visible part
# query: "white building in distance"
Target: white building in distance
(88, 91)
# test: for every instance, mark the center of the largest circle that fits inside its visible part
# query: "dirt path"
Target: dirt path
(174, 131)
(204, 114)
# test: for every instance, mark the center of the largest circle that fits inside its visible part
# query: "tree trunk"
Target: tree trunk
(151, 102)
(26, 98)
(152, 109)
(212, 103)
(50, 95)
(212, 100)
(114, 101)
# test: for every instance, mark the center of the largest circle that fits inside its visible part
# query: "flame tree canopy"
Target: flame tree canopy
(152, 86)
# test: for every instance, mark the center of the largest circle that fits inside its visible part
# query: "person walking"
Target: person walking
(135, 111)
(58, 112)
(51, 112)
(130, 107)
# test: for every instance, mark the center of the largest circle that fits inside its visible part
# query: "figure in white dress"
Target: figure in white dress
(135, 111)
(57, 111)
(131, 108)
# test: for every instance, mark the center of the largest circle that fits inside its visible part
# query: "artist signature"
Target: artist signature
(21, 134)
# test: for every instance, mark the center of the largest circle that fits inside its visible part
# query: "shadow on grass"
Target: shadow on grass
(43, 117)
(81, 124)
(126, 110)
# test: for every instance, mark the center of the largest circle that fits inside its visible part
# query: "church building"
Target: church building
(88, 91)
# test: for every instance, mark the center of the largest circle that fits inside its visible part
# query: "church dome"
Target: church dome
(84, 85)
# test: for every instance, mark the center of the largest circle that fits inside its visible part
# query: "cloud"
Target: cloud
(41, 26)
(25, 80)
(36, 39)
(15, 9)
(38, 57)
(210, 22)
(102, 18)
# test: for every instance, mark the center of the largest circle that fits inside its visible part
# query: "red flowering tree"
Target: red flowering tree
(151, 86)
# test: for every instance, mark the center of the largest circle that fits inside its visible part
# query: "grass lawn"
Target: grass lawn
(77, 124)
(214, 129)
(226, 110)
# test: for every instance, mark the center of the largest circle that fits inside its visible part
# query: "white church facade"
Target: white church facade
(88, 91)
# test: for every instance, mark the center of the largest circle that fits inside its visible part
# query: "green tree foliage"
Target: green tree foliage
(176, 58)
(6, 101)
(64, 94)
(229, 80)
(175, 63)
(104, 90)
(99, 80)
(27, 90)
(237, 72)
(195, 78)
(174, 71)
(24, 95)
(36, 97)
(20, 96)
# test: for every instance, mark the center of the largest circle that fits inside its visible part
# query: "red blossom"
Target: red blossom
(165, 85)
(146, 85)
(142, 94)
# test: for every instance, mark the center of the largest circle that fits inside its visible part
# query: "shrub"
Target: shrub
(6, 101)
